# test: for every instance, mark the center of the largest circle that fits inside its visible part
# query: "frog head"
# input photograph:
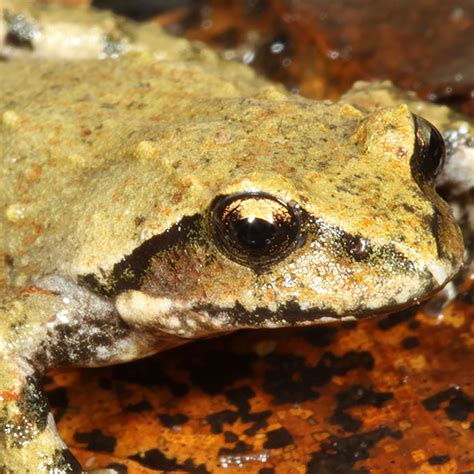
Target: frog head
(314, 213)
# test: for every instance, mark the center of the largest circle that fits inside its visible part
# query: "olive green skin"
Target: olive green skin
(181, 146)
(111, 171)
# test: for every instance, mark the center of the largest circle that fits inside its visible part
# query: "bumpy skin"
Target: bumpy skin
(109, 170)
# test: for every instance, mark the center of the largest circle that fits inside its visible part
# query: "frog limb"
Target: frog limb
(59, 323)
(32, 323)
(28, 435)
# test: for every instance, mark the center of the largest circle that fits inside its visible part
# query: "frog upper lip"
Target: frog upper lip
(292, 314)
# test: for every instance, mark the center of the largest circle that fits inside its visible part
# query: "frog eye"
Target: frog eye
(255, 229)
(429, 156)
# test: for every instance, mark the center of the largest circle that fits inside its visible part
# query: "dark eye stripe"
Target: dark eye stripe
(129, 273)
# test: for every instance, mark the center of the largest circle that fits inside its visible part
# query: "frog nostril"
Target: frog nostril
(255, 229)
(359, 248)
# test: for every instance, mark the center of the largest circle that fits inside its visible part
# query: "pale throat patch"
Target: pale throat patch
(167, 315)
(440, 271)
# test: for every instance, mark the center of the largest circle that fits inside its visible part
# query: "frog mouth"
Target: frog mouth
(292, 314)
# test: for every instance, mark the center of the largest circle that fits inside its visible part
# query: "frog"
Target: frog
(154, 194)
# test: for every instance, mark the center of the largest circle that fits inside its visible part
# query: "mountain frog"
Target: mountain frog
(152, 194)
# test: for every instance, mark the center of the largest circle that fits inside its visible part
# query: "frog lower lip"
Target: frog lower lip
(291, 314)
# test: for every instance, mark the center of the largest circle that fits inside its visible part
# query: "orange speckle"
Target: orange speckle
(33, 173)
(368, 222)
(9, 395)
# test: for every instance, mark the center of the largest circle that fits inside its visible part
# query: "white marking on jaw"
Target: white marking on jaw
(140, 308)
(191, 323)
(304, 306)
(439, 270)
(174, 322)
(272, 324)
(167, 315)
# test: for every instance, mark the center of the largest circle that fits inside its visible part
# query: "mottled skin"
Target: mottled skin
(109, 252)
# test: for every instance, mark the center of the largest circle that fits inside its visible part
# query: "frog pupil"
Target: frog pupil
(254, 233)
